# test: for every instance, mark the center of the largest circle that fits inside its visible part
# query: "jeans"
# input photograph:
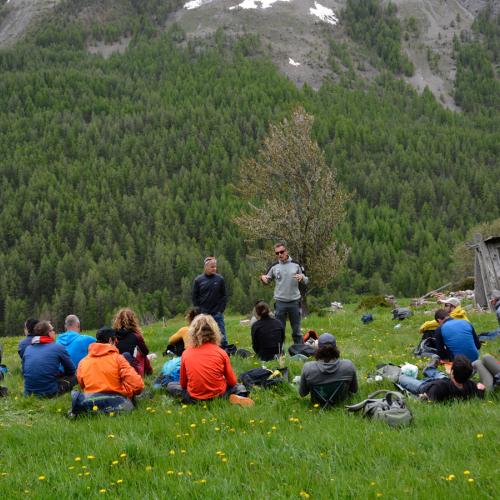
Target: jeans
(292, 310)
(487, 368)
(219, 319)
(416, 386)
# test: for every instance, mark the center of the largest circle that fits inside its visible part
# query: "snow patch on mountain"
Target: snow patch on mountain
(324, 13)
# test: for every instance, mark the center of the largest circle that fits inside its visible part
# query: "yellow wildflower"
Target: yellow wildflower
(95, 408)
(466, 472)
(41, 478)
(304, 494)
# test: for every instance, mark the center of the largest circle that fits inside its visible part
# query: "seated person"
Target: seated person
(327, 368)
(3, 370)
(41, 362)
(206, 371)
(105, 370)
(452, 306)
(131, 341)
(495, 302)
(488, 369)
(438, 387)
(29, 325)
(268, 334)
(454, 337)
(75, 343)
(179, 340)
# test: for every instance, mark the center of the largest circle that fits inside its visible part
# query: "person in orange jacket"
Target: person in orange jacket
(105, 370)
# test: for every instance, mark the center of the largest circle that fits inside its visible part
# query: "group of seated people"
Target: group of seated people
(111, 367)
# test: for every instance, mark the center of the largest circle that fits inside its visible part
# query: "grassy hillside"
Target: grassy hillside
(281, 448)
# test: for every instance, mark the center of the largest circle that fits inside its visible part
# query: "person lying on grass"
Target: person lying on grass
(105, 370)
(328, 368)
(41, 364)
(438, 387)
(206, 371)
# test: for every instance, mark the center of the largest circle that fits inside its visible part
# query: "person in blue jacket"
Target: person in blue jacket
(29, 333)
(454, 337)
(75, 343)
(41, 364)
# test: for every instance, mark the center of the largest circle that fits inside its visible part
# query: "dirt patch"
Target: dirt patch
(106, 49)
(20, 15)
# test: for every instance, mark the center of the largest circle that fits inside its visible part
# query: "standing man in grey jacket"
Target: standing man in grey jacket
(287, 275)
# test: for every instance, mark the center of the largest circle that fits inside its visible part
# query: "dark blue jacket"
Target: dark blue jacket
(457, 336)
(40, 366)
(23, 344)
(209, 293)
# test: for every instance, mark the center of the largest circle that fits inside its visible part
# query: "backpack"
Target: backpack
(366, 318)
(304, 349)
(401, 313)
(426, 348)
(263, 377)
(390, 408)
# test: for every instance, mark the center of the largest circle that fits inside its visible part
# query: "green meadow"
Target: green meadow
(280, 448)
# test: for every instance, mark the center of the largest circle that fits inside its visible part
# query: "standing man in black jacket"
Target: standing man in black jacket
(209, 294)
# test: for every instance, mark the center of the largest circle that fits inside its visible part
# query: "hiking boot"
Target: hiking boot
(234, 399)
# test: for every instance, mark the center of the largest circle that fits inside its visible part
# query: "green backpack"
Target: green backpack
(390, 408)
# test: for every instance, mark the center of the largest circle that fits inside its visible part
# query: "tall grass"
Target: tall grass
(280, 448)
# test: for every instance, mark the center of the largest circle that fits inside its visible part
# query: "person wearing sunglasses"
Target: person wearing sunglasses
(287, 275)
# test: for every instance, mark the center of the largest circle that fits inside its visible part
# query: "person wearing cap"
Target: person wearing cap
(75, 343)
(452, 306)
(209, 294)
(105, 370)
(454, 337)
(327, 368)
(287, 275)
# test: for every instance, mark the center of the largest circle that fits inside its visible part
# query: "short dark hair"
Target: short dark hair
(30, 324)
(461, 368)
(441, 314)
(104, 334)
(327, 353)
(262, 309)
(42, 328)
(191, 313)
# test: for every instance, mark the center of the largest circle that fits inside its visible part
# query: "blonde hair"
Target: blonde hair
(126, 319)
(203, 330)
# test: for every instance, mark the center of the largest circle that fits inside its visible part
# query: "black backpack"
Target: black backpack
(263, 377)
(304, 349)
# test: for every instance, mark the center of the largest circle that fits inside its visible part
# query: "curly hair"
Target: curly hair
(126, 319)
(203, 330)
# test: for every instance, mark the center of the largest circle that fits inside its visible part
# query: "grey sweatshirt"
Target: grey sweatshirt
(321, 372)
(287, 287)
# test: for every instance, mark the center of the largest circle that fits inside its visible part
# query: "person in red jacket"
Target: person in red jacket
(106, 370)
(206, 371)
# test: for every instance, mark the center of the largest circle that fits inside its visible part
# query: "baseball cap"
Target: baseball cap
(327, 339)
(450, 300)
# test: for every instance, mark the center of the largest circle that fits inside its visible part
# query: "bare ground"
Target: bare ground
(290, 32)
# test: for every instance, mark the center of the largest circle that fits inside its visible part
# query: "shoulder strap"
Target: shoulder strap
(271, 266)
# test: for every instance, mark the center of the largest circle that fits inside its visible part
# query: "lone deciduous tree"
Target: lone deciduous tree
(293, 195)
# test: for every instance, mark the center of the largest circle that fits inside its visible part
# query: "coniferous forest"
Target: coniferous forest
(117, 174)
